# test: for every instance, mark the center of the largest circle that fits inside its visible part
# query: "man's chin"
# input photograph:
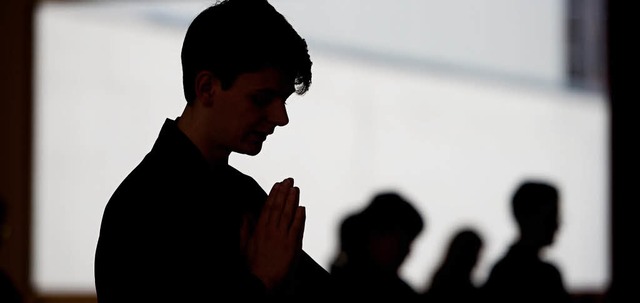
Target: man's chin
(250, 151)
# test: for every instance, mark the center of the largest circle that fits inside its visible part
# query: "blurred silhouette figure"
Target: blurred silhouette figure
(9, 293)
(522, 275)
(373, 245)
(452, 281)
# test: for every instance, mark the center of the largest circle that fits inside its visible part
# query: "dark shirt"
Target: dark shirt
(521, 276)
(355, 283)
(451, 286)
(171, 231)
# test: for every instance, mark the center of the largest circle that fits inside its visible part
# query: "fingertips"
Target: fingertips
(288, 181)
(275, 187)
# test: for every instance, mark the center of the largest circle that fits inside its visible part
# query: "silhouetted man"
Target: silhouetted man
(373, 245)
(185, 226)
(522, 275)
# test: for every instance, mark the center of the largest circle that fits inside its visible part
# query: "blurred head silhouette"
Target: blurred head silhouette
(464, 251)
(381, 235)
(535, 208)
(452, 281)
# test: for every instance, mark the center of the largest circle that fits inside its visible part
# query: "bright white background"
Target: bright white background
(451, 103)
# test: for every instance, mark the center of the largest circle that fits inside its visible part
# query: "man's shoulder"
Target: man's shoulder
(156, 178)
(146, 174)
(240, 178)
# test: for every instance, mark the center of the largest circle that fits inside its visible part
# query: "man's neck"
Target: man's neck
(189, 126)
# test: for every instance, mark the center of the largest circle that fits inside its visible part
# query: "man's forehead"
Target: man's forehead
(283, 92)
(269, 81)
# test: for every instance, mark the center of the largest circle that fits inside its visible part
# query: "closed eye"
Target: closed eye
(264, 98)
(261, 100)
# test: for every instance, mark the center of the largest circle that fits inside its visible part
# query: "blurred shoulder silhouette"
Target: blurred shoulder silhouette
(373, 245)
(452, 281)
(9, 293)
(522, 275)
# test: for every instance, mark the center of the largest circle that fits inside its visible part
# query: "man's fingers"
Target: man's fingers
(297, 225)
(277, 200)
(281, 200)
(289, 210)
(267, 208)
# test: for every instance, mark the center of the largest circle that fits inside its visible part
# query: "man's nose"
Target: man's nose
(278, 113)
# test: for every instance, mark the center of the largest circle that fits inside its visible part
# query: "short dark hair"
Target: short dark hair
(233, 37)
(531, 196)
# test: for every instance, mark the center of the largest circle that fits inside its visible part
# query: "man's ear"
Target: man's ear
(207, 84)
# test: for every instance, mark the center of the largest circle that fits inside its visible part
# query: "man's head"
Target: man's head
(241, 60)
(233, 37)
(464, 250)
(383, 232)
(535, 208)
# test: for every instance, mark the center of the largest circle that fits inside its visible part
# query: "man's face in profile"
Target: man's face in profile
(243, 115)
